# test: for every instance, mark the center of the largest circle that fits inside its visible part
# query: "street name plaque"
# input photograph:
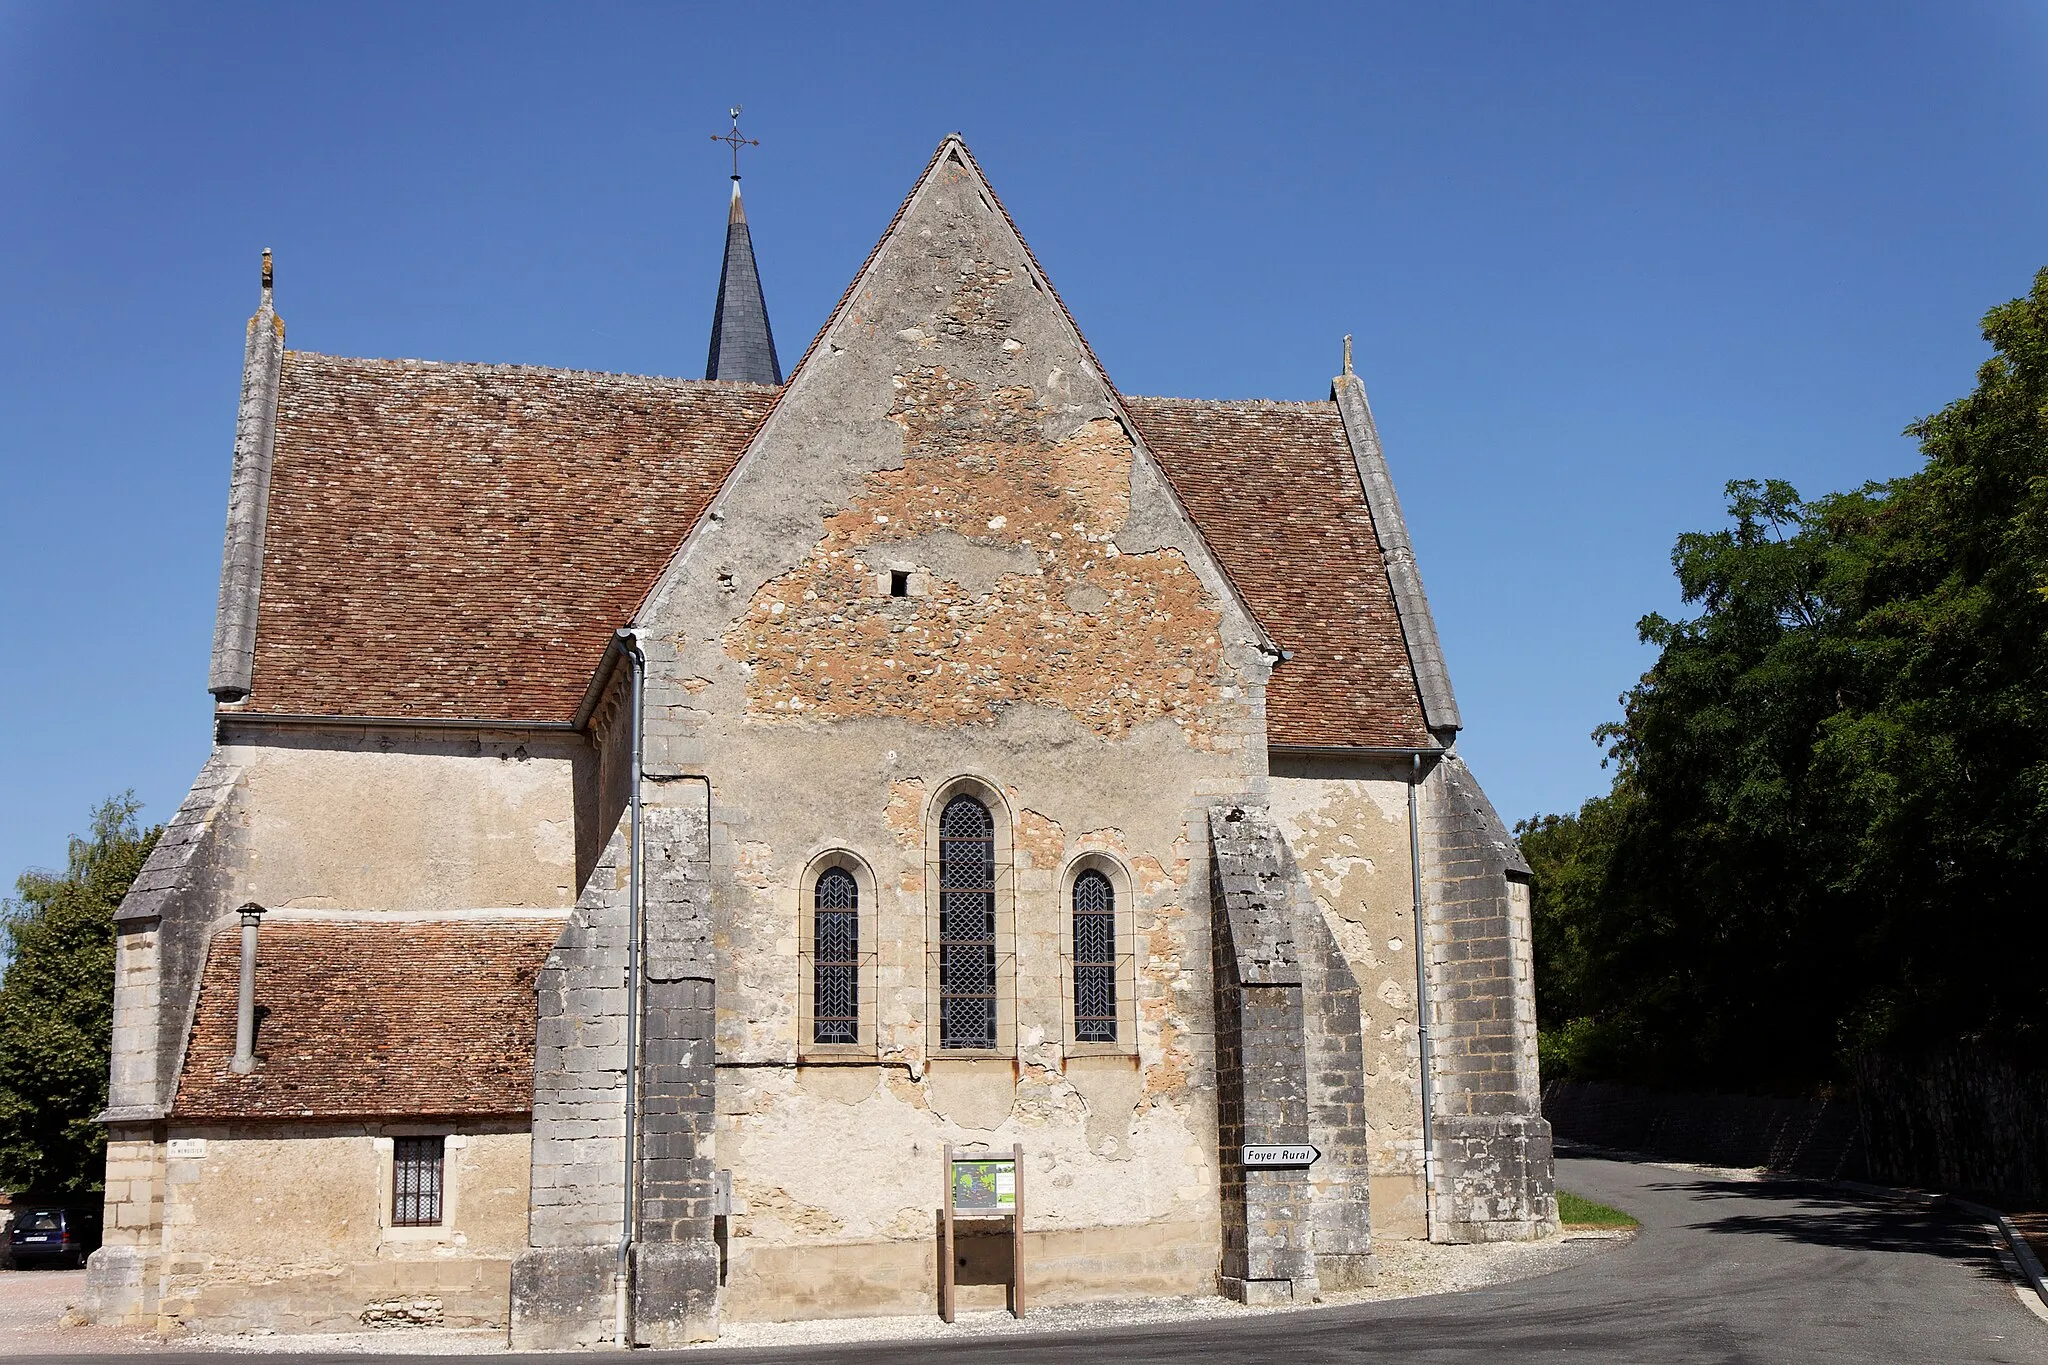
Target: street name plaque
(1280, 1156)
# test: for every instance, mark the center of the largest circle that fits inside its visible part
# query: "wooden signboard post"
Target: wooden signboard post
(982, 1186)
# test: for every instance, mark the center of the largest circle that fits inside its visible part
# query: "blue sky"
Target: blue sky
(1598, 260)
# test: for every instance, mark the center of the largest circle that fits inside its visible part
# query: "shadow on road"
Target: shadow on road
(1817, 1214)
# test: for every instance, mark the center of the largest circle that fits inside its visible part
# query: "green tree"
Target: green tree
(1829, 822)
(57, 1005)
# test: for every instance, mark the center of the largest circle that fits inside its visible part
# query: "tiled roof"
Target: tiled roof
(1276, 492)
(460, 541)
(370, 1018)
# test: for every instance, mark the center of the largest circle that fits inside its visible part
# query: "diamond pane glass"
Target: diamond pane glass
(1094, 958)
(835, 958)
(967, 925)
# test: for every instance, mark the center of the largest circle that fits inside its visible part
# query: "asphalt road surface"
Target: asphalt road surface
(1725, 1270)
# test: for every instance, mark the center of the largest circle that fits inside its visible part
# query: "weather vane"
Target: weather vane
(735, 141)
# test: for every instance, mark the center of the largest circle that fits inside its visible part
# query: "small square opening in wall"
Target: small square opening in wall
(899, 582)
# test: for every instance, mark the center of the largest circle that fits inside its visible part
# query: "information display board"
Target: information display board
(981, 1186)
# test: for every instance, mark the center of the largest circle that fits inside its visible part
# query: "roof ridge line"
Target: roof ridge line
(1232, 402)
(423, 363)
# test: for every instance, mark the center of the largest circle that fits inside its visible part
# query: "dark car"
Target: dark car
(65, 1234)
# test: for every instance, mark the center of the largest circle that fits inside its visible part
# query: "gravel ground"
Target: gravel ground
(33, 1307)
(1406, 1270)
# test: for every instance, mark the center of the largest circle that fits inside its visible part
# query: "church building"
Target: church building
(654, 825)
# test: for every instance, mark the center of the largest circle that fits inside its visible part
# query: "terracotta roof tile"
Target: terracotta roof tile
(1274, 488)
(371, 1018)
(460, 541)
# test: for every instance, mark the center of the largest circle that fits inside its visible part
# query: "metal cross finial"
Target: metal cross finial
(735, 141)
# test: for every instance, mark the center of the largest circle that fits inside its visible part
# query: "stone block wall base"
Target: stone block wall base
(1335, 1271)
(1498, 1181)
(1528, 1230)
(675, 1293)
(120, 1286)
(564, 1297)
(1258, 1293)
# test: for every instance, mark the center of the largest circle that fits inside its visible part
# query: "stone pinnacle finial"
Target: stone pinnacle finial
(266, 270)
(1347, 353)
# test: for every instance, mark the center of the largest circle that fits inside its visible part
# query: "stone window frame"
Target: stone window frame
(864, 881)
(383, 1143)
(1122, 883)
(1003, 819)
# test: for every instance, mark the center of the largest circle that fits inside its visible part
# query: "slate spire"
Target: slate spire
(742, 347)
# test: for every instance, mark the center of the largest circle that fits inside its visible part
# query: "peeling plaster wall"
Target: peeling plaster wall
(385, 819)
(287, 1228)
(1346, 821)
(361, 818)
(1067, 639)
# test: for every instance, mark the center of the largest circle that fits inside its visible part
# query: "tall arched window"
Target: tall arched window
(835, 936)
(967, 925)
(1094, 958)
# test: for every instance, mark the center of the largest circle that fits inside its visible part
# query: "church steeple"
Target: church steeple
(742, 346)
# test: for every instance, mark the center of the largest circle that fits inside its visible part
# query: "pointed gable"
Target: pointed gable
(949, 514)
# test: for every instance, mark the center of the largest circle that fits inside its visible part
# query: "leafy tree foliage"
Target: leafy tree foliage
(57, 1005)
(1828, 829)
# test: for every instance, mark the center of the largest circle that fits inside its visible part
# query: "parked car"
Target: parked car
(45, 1233)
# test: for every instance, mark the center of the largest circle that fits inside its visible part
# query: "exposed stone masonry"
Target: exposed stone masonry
(1024, 593)
(1494, 1176)
(1289, 1065)
(562, 1286)
(675, 1273)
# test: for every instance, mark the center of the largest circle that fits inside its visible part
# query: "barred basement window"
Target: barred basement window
(1094, 958)
(967, 925)
(835, 958)
(416, 1181)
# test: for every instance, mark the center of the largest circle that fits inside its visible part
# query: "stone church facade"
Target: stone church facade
(654, 817)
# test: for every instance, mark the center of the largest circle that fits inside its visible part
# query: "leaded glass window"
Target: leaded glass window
(835, 958)
(1094, 958)
(967, 925)
(416, 1181)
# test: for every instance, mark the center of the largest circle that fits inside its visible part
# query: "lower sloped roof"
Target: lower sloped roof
(363, 1018)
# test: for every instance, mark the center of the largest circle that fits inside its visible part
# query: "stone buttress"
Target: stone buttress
(1289, 1066)
(1495, 1177)
(565, 1288)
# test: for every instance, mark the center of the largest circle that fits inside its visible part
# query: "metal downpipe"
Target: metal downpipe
(629, 1212)
(1426, 1059)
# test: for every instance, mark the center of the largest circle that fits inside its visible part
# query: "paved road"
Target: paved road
(1724, 1271)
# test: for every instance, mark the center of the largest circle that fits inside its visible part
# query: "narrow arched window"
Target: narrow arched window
(967, 925)
(835, 931)
(1094, 958)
